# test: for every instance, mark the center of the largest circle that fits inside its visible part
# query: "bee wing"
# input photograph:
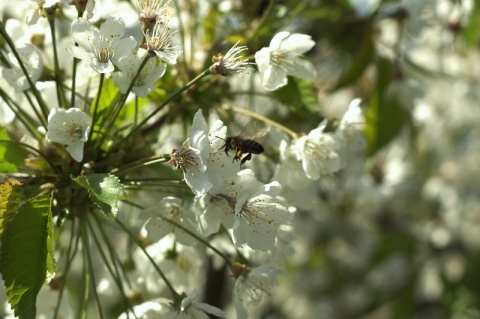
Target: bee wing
(254, 131)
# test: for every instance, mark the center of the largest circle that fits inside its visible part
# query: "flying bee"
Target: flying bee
(246, 142)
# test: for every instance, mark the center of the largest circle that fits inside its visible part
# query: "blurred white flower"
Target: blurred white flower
(70, 127)
(145, 81)
(159, 42)
(195, 310)
(281, 58)
(364, 8)
(36, 13)
(33, 62)
(101, 47)
(257, 217)
(252, 284)
(169, 208)
(152, 309)
(150, 10)
(231, 63)
(319, 152)
(193, 160)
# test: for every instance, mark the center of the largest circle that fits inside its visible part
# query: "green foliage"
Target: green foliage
(26, 253)
(11, 155)
(210, 25)
(359, 63)
(299, 96)
(105, 190)
(385, 115)
(109, 97)
(10, 194)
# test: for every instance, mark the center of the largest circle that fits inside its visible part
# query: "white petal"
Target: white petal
(101, 67)
(121, 81)
(124, 48)
(302, 69)
(274, 78)
(82, 32)
(113, 28)
(262, 58)
(80, 53)
(76, 150)
(278, 39)
(297, 44)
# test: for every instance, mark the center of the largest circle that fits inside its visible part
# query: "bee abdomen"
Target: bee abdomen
(251, 146)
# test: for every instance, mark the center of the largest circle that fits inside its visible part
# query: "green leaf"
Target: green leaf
(11, 155)
(10, 195)
(26, 254)
(299, 96)
(109, 97)
(360, 61)
(385, 115)
(210, 25)
(105, 190)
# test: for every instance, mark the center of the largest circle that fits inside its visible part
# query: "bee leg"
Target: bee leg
(246, 158)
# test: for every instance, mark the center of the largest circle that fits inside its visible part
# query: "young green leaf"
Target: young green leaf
(10, 194)
(105, 190)
(11, 155)
(26, 254)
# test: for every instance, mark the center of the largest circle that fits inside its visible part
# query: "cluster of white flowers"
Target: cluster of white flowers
(233, 205)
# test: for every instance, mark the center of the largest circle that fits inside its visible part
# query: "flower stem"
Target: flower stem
(88, 257)
(62, 101)
(95, 108)
(68, 261)
(139, 163)
(39, 98)
(261, 22)
(160, 107)
(175, 295)
(121, 103)
(113, 260)
(203, 241)
(261, 118)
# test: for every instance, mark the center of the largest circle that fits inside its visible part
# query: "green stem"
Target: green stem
(175, 295)
(74, 74)
(181, 30)
(29, 147)
(124, 99)
(88, 257)
(261, 22)
(41, 118)
(22, 116)
(95, 108)
(62, 101)
(261, 118)
(160, 107)
(113, 260)
(82, 309)
(200, 239)
(139, 163)
(37, 95)
(68, 263)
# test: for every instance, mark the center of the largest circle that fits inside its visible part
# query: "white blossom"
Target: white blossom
(252, 284)
(319, 152)
(195, 310)
(231, 63)
(281, 58)
(36, 13)
(101, 47)
(145, 81)
(258, 216)
(70, 127)
(193, 160)
(33, 62)
(159, 42)
(157, 217)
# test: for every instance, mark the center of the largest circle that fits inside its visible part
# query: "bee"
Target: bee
(245, 142)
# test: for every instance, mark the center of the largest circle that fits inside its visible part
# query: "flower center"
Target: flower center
(103, 50)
